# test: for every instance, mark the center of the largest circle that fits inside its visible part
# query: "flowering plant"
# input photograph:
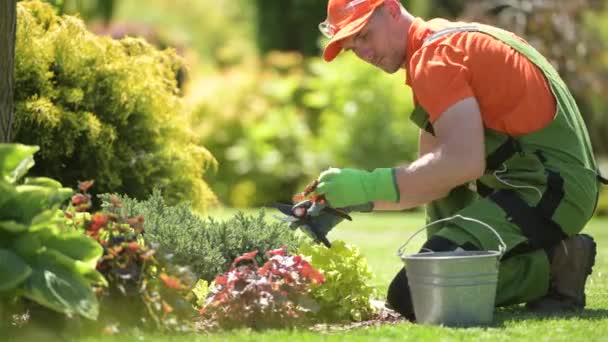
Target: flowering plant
(143, 287)
(272, 296)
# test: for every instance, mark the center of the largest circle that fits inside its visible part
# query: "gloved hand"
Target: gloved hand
(319, 223)
(348, 187)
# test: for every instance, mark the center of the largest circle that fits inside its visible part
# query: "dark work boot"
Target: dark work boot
(571, 264)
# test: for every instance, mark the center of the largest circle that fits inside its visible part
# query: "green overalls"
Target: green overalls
(538, 188)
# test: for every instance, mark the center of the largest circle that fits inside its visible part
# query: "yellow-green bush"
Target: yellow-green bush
(273, 127)
(104, 109)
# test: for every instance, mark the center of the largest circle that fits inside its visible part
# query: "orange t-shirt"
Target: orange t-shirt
(513, 94)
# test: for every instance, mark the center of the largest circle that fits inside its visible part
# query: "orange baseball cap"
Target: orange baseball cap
(345, 18)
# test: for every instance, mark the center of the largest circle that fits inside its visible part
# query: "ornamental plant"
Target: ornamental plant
(345, 296)
(39, 259)
(272, 296)
(104, 109)
(144, 289)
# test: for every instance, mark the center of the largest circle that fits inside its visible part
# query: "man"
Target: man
(501, 141)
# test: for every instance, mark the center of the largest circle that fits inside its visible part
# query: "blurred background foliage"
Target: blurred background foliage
(259, 98)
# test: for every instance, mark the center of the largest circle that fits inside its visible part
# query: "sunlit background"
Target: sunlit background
(272, 114)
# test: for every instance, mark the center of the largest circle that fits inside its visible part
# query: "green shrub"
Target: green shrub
(275, 127)
(207, 246)
(104, 109)
(40, 259)
(220, 31)
(345, 294)
(258, 134)
(280, 23)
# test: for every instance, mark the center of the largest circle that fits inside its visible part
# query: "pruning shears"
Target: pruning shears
(312, 214)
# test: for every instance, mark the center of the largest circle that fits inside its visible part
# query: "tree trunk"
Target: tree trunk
(8, 16)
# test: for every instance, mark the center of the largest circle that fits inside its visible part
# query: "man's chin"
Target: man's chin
(390, 69)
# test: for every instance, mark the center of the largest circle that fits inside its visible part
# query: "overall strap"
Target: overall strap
(419, 116)
(535, 222)
(601, 179)
(445, 32)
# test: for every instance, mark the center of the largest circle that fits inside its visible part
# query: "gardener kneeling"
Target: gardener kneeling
(501, 141)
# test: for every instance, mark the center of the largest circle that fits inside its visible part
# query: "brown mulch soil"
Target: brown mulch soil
(383, 316)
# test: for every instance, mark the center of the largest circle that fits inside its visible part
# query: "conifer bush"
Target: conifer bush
(104, 109)
(206, 245)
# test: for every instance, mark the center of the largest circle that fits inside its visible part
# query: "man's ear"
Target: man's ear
(393, 8)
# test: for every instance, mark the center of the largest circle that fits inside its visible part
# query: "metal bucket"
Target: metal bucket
(455, 288)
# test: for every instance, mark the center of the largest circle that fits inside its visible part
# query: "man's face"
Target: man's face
(373, 43)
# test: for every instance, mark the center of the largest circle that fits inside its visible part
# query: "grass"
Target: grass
(379, 236)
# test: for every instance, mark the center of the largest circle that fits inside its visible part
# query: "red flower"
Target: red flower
(309, 272)
(167, 308)
(97, 221)
(133, 246)
(221, 279)
(171, 282)
(136, 223)
(246, 256)
(79, 199)
(115, 250)
(115, 201)
(278, 251)
(84, 186)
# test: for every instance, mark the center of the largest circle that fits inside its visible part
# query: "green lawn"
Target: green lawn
(379, 236)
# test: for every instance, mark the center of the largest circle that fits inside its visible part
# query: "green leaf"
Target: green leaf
(59, 288)
(76, 246)
(7, 190)
(47, 219)
(43, 181)
(200, 290)
(13, 270)
(345, 295)
(28, 246)
(12, 226)
(30, 200)
(15, 160)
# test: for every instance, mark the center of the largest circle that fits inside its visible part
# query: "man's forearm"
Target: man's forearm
(431, 177)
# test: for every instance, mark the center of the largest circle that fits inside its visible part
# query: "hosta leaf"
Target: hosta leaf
(7, 190)
(15, 160)
(76, 246)
(57, 287)
(13, 270)
(28, 246)
(30, 200)
(43, 181)
(47, 219)
(12, 226)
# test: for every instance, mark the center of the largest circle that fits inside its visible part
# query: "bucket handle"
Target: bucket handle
(502, 248)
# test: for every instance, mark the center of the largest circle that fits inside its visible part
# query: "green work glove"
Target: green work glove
(348, 187)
